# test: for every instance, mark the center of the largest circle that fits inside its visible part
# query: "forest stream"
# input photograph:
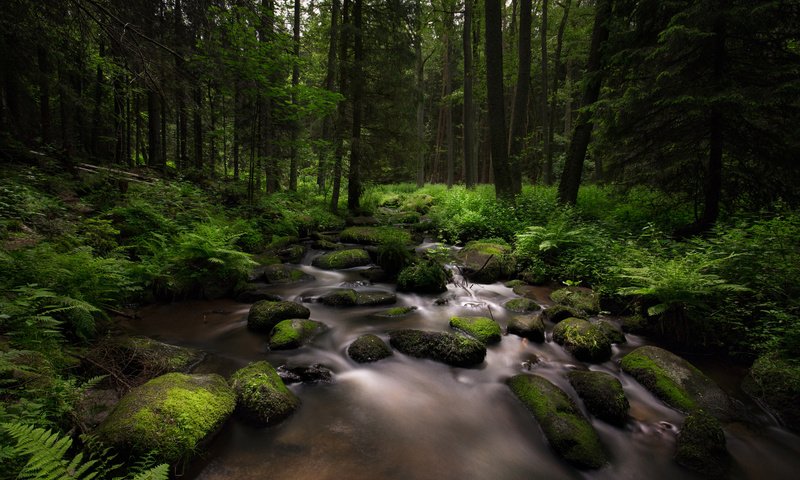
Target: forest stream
(410, 418)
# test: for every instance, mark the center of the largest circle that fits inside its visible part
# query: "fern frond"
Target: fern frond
(159, 472)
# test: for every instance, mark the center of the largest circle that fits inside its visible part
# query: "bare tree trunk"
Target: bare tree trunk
(557, 67)
(98, 102)
(328, 125)
(354, 176)
(504, 188)
(45, 71)
(341, 109)
(295, 82)
(520, 109)
(447, 89)
(546, 154)
(469, 113)
(154, 129)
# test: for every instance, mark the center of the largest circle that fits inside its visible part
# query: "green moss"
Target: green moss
(587, 301)
(484, 329)
(568, 432)
(515, 283)
(445, 347)
(602, 394)
(611, 331)
(776, 382)
(368, 348)
(343, 297)
(374, 235)
(280, 274)
(701, 445)
(340, 259)
(527, 326)
(397, 311)
(423, 277)
(261, 395)
(170, 415)
(521, 305)
(486, 261)
(293, 333)
(373, 298)
(265, 314)
(154, 357)
(557, 313)
(656, 379)
(583, 340)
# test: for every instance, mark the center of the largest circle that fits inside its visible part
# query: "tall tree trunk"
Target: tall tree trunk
(328, 125)
(519, 111)
(119, 125)
(295, 82)
(137, 112)
(98, 102)
(573, 167)
(546, 154)
(212, 113)
(45, 71)
(504, 188)
(268, 138)
(469, 113)
(447, 84)
(557, 67)
(197, 122)
(237, 126)
(154, 130)
(354, 174)
(128, 125)
(164, 111)
(341, 109)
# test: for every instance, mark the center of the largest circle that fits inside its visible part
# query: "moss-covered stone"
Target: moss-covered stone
(423, 277)
(347, 297)
(611, 331)
(293, 333)
(340, 259)
(675, 381)
(397, 312)
(374, 235)
(635, 324)
(452, 349)
(292, 253)
(584, 300)
(776, 382)
(556, 313)
(368, 348)
(602, 394)
(527, 326)
(372, 298)
(341, 297)
(514, 283)
(264, 315)
(484, 329)
(701, 445)
(521, 305)
(583, 340)
(169, 416)
(256, 292)
(323, 244)
(151, 357)
(283, 274)
(568, 432)
(486, 261)
(261, 396)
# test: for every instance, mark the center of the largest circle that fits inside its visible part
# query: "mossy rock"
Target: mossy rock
(169, 416)
(567, 430)
(368, 348)
(146, 356)
(527, 291)
(484, 329)
(584, 300)
(397, 312)
(701, 445)
(347, 297)
(635, 324)
(261, 395)
(423, 277)
(514, 283)
(486, 262)
(323, 244)
(283, 274)
(452, 349)
(341, 297)
(675, 381)
(374, 235)
(602, 394)
(292, 253)
(611, 331)
(255, 292)
(264, 315)
(341, 259)
(521, 305)
(314, 373)
(583, 340)
(776, 382)
(527, 326)
(556, 313)
(294, 333)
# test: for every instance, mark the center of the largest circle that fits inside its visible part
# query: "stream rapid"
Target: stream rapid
(408, 418)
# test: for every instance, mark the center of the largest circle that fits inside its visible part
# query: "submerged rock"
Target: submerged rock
(585, 300)
(261, 396)
(556, 313)
(675, 381)
(583, 340)
(341, 259)
(397, 312)
(293, 333)
(423, 277)
(169, 416)
(602, 394)
(316, 373)
(486, 262)
(452, 349)
(701, 445)
(568, 432)
(283, 274)
(521, 305)
(527, 326)
(484, 329)
(264, 315)
(368, 348)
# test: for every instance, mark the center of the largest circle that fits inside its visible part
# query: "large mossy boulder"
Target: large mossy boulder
(484, 329)
(294, 333)
(527, 326)
(347, 297)
(776, 382)
(368, 348)
(170, 416)
(556, 313)
(150, 358)
(261, 395)
(521, 305)
(585, 341)
(280, 274)
(602, 394)
(486, 261)
(675, 381)
(567, 430)
(264, 315)
(423, 277)
(374, 235)
(611, 331)
(581, 299)
(256, 292)
(341, 259)
(701, 445)
(452, 349)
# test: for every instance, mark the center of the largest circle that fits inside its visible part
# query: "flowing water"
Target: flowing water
(407, 418)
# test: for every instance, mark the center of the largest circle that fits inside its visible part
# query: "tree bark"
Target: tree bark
(447, 89)
(45, 71)
(341, 109)
(354, 176)
(197, 122)
(557, 67)
(469, 113)
(329, 124)
(519, 110)
(295, 82)
(154, 129)
(546, 153)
